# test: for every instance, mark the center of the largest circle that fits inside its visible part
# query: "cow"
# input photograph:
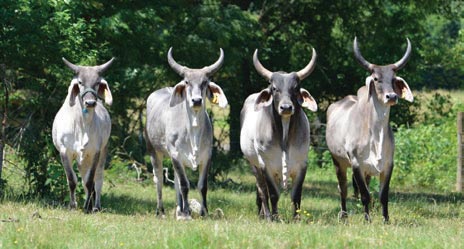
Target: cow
(274, 135)
(81, 130)
(179, 127)
(358, 132)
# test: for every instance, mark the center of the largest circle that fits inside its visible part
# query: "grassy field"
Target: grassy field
(419, 219)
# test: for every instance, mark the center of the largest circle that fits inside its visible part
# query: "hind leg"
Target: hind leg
(340, 170)
(157, 164)
(263, 192)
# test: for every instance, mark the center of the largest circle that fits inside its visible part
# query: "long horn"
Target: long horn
(74, 68)
(259, 68)
(305, 72)
(179, 69)
(102, 68)
(367, 65)
(402, 62)
(209, 70)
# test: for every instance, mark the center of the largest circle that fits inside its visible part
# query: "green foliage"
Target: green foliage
(425, 156)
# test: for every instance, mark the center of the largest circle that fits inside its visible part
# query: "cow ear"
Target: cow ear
(216, 95)
(306, 100)
(178, 94)
(401, 88)
(264, 99)
(104, 92)
(370, 86)
(73, 91)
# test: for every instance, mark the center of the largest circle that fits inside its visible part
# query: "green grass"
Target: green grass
(418, 219)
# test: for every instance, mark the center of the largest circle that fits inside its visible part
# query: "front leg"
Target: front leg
(363, 189)
(203, 187)
(296, 191)
(70, 177)
(89, 184)
(182, 189)
(263, 192)
(384, 190)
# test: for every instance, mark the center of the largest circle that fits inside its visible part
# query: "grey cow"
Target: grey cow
(179, 127)
(274, 135)
(359, 134)
(81, 130)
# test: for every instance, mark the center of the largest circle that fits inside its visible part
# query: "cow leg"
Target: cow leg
(182, 190)
(384, 190)
(263, 192)
(90, 183)
(99, 180)
(342, 187)
(355, 188)
(70, 177)
(258, 197)
(203, 187)
(363, 189)
(158, 179)
(296, 191)
(273, 195)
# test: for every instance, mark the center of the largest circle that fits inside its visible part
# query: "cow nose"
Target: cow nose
(391, 97)
(196, 101)
(90, 103)
(286, 108)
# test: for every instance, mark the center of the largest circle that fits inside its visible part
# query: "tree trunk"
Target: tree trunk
(4, 120)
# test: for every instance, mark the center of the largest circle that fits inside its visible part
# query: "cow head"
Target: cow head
(284, 90)
(196, 85)
(383, 82)
(89, 85)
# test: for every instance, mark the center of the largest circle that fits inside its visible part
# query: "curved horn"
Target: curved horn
(74, 68)
(305, 72)
(259, 68)
(402, 62)
(179, 69)
(367, 65)
(103, 67)
(213, 68)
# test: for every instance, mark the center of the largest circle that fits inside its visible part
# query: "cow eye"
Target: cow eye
(375, 79)
(186, 82)
(80, 82)
(274, 88)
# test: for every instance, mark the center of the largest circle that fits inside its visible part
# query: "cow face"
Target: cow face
(196, 85)
(285, 94)
(89, 85)
(284, 89)
(387, 87)
(383, 84)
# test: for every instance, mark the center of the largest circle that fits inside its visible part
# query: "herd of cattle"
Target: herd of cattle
(274, 136)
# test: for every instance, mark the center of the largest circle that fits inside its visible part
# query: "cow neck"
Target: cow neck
(196, 119)
(86, 120)
(282, 127)
(378, 121)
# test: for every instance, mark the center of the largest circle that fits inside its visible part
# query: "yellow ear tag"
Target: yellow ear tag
(215, 98)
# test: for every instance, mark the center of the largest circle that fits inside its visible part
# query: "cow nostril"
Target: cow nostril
(196, 101)
(90, 103)
(392, 96)
(286, 107)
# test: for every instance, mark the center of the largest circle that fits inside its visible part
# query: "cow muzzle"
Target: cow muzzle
(391, 99)
(286, 109)
(90, 101)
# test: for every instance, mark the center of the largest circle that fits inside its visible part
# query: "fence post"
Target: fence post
(460, 126)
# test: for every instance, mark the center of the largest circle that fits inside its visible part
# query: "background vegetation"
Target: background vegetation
(35, 35)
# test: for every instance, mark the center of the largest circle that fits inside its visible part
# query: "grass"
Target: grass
(418, 219)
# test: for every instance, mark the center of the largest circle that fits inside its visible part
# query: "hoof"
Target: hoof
(96, 210)
(342, 216)
(184, 217)
(386, 220)
(367, 218)
(72, 205)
